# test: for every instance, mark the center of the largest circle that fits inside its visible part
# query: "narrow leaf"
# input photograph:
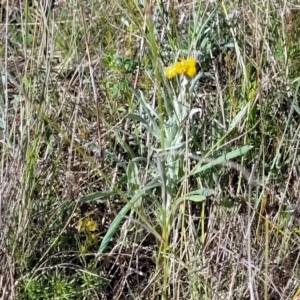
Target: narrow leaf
(221, 159)
(238, 118)
(133, 182)
(196, 198)
(197, 195)
(97, 195)
(138, 118)
(116, 222)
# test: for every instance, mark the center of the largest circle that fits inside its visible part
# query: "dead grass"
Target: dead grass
(92, 130)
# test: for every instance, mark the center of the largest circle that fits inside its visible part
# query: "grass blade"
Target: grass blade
(221, 159)
(118, 219)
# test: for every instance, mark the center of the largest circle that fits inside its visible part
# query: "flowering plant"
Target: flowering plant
(88, 226)
(183, 66)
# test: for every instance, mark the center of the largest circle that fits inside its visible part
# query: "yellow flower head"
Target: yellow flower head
(79, 225)
(90, 225)
(92, 239)
(190, 67)
(86, 225)
(184, 66)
